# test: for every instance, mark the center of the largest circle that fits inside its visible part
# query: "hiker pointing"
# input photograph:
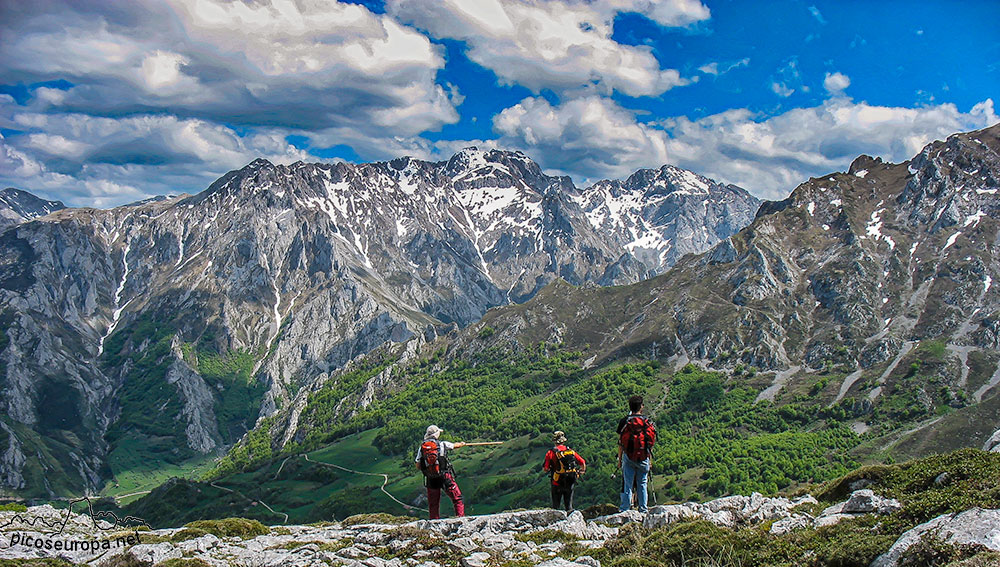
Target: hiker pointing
(432, 459)
(566, 466)
(636, 437)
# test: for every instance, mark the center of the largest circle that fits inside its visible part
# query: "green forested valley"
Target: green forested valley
(713, 439)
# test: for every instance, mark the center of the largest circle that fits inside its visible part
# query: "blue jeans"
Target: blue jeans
(638, 473)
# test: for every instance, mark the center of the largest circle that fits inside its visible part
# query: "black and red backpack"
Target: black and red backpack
(432, 462)
(638, 437)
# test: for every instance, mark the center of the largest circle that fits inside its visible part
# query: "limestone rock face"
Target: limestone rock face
(730, 512)
(976, 526)
(477, 540)
(993, 443)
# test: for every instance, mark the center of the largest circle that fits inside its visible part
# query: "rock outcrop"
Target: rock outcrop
(977, 527)
(542, 538)
(860, 502)
(535, 536)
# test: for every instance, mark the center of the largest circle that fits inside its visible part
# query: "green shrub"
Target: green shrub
(628, 541)
(147, 537)
(598, 510)
(970, 481)
(984, 559)
(186, 534)
(851, 543)
(633, 560)
(934, 551)
(13, 507)
(231, 527)
(685, 540)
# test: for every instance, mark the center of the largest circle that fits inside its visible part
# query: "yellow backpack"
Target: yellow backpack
(565, 471)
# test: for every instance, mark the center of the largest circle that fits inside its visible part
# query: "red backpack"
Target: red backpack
(432, 462)
(638, 437)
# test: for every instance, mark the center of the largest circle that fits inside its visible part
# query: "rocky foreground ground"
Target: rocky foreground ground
(546, 538)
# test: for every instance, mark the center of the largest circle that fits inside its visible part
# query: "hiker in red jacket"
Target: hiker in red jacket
(433, 461)
(565, 466)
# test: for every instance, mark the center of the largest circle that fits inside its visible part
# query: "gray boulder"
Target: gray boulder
(620, 518)
(489, 525)
(790, 524)
(860, 502)
(867, 502)
(477, 559)
(660, 516)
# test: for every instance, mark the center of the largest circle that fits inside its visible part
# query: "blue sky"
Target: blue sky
(106, 103)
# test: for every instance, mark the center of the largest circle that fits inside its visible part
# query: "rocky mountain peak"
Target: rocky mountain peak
(954, 180)
(854, 270)
(666, 180)
(17, 206)
(259, 163)
(662, 214)
(474, 168)
(864, 163)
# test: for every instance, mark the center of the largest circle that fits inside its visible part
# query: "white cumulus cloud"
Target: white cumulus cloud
(564, 46)
(309, 65)
(836, 82)
(167, 95)
(591, 138)
(771, 156)
(94, 161)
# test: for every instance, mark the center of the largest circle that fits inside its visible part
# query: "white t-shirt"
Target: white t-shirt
(443, 447)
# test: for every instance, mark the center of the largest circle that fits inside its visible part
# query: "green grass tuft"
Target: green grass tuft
(380, 518)
(546, 536)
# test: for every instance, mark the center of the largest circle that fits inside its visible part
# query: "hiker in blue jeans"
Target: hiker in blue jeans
(636, 437)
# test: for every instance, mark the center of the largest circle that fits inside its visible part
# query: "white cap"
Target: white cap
(433, 431)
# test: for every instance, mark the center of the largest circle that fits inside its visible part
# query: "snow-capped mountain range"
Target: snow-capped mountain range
(286, 273)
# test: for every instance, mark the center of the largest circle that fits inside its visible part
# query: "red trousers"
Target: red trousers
(453, 492)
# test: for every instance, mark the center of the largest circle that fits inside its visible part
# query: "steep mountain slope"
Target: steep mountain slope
(18, 206)
(150, 334)
(853, 267)
(877, 283)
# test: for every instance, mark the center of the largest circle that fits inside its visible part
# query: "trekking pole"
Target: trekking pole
(485, 443)
(649, 483)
